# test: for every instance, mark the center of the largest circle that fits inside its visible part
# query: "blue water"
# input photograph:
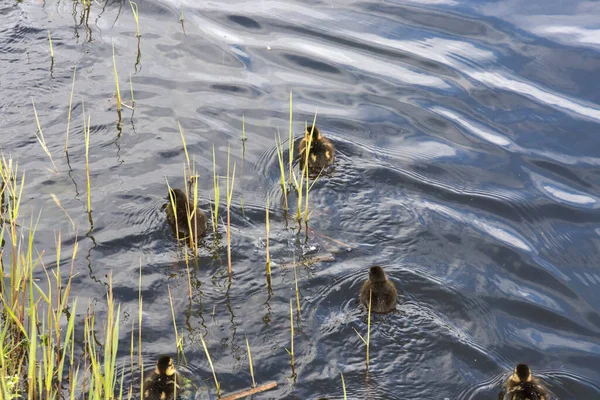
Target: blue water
(468, 166)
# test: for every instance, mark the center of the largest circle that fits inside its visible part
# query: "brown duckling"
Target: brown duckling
(165, 383)
(178, 218)
(321, 153)
(162, 383)
(523, 386)
(384, 295)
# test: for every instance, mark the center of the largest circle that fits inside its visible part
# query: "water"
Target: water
(467, 167)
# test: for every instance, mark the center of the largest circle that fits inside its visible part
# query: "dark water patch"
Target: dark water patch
(362, 43)
(311, 63)
(244, 21)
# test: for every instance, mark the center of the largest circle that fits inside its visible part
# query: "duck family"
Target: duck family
(378, 293)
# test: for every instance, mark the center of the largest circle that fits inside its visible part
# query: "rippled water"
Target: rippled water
(468, 167)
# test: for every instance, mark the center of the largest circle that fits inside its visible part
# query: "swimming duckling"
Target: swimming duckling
(523, 386)
(322, 152)
(162, 383)
(384, 295)
(179, 219)
(165, 382)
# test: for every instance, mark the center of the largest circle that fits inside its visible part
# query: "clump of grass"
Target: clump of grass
(37, 355)
(300, 182)
(368, 340)
(229, 189)
(217, 384)
(134, 10)
(190, 176)
(40, 138)
(103, 369)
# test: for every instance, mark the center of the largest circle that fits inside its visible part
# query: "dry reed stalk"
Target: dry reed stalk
(86, 136)
(40, 138)
(51, 48)
(70, 108)
(118, 91)
(217, 384)
(140, 358)
(297, 292)
(178, 339)
(134, 10)
(248, 392)
(229, 196)
(250, 362)
(292, 335)
(267, 240)
(282, 183)
(216, 190)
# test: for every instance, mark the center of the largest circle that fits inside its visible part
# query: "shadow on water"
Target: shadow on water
(466, 165)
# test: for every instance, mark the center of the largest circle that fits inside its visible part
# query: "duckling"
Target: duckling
(162, 383)
(321, 153)
(384, 295)
(178, 218)
(165, 382)
(523, 386)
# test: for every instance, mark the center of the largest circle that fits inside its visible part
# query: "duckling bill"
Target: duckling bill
(383, 292)
(164, 383)
(178, 217)
(523, 386)
(321, 153)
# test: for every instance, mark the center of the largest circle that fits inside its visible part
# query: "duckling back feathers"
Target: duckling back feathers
(178, 218)
(161, 383)
(321, 154)
(383, 293)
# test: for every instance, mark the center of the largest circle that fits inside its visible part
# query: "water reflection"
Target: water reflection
(467, 167)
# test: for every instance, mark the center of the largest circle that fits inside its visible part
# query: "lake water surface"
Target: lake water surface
(468, 166)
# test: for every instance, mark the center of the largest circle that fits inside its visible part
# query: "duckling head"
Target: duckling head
(178, 195)
(164, 366)
(522, 373)
(316, 135)
(376, 274)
